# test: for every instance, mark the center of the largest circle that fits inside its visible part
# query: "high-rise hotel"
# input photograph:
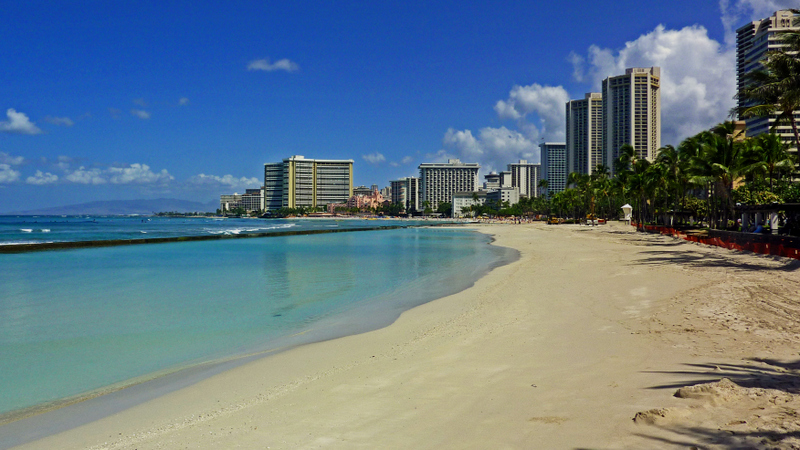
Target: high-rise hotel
(554, 165)
(632, 113)
(585, 133)
(753, 41)
(405, 191)
(439, 181)
(297, 181)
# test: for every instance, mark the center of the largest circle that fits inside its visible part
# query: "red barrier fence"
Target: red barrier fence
(765, 244)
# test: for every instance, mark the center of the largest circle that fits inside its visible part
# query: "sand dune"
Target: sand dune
(596, 338)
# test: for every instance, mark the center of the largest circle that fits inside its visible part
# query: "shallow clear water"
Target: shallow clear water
(79, 320)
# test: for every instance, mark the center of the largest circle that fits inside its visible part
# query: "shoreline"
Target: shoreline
(562, 348)
(93, 405)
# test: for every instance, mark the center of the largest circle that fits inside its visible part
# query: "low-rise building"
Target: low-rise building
(462, 201)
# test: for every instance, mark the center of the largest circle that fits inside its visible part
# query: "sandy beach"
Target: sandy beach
(597, 337)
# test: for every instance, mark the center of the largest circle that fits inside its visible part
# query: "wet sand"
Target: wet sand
(590, 329)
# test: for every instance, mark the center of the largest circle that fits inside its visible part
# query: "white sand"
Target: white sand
(560, 349)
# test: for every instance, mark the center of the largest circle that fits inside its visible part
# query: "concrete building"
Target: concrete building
(362, 190)
(463, 200)
(439, 181)
(753, 41)
(554, 166)
(405, 191)
(525, 177)
(251, 200)
(491, 181)
(632, 113)
(585, 133)
(308, 182)
(508, 194)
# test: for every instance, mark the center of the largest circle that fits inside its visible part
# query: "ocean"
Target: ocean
(77, 322)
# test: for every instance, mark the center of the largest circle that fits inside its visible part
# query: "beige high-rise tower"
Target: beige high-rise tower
(632, 113)
(585, 134)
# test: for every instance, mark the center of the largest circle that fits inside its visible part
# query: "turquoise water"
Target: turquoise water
(75, 321)
(43, 229)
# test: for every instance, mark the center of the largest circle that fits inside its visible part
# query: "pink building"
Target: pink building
(362, 202)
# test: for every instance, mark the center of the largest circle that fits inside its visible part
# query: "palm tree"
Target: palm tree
(771, 155)
(775, 89)
(721, 160)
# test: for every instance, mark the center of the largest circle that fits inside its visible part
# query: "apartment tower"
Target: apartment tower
(297, 181)
(753, 41)
(526, 177)
(585, 133)
(554, 165)
(439, 181)
(405, 191)
(632, 113)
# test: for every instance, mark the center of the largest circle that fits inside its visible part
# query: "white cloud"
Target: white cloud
(546, 102)
(140, 113)
(264, 64)
(406, 160)
(42, 178)
(5, 158)
(698, 76)
(63, 121)
(373, 158)
(18, 123)
(137, 174)
(86, 176)
(494, 148)
(227, 181)
(7, 174)
(183, 101)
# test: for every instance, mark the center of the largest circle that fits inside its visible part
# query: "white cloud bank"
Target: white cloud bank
(18, 123)
(131, 174)
(698, 76)
(42, 178)
(264, 65)
(227, 181)
(698, 82)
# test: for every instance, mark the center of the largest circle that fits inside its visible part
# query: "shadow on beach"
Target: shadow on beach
(704, 260)
(770, 374)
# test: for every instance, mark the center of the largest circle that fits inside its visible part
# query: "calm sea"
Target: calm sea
(42, 229)
(75, 321)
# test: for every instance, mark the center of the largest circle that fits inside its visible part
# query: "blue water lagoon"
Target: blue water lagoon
(77, 322)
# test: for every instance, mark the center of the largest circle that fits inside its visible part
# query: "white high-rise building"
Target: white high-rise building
(439, 181)
(525, 177)
(632, 113)
(405, 191)
(585, 133)
(297, 181)
(554, 166)
(753, 41)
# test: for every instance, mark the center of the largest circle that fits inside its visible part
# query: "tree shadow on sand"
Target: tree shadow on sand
(705, 260)
(771, 374)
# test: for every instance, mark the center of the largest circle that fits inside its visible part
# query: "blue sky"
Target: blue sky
(105, 100)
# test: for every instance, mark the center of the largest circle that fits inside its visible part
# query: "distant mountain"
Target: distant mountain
(121, 207)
